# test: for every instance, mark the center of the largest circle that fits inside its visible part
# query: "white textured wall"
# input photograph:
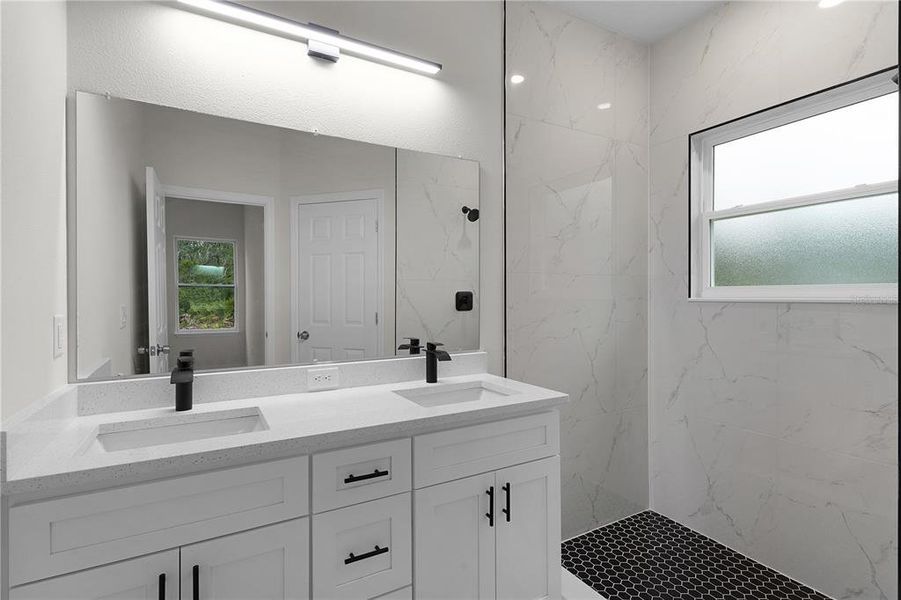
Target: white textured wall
(576, 249)
(773, 427)
(160, 54)
(112, 260)
(33, 198)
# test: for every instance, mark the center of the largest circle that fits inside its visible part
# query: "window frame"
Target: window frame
(702, 213)
(178, 285)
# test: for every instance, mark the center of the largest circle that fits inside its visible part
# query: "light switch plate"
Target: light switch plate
(59, 335)
(322, 379)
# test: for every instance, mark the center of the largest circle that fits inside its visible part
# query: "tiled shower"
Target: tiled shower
(769, 427)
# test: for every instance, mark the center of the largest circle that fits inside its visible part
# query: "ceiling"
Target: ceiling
(643, 21)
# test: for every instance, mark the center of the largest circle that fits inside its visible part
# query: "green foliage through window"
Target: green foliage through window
(206, 284)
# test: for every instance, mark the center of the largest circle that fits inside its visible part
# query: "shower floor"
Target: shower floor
(651, 557)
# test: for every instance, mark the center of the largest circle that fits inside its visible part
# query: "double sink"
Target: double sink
(186, 427)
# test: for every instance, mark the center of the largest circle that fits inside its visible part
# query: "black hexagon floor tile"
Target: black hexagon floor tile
(651, 557)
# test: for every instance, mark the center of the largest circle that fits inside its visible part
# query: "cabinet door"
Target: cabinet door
(528, 531)
(152, 577)
(269, 563)
(454, 541)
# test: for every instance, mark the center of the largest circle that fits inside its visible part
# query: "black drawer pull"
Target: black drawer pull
(490, 513)
(506, 510)
(373, 475)
(352, 559)
(195, 582)
(162, 586)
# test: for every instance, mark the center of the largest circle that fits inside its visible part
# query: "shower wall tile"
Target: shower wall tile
(569, 67)
(631, 92)
(427, 308)
(773, 427)
(577, 249)
(437, 249)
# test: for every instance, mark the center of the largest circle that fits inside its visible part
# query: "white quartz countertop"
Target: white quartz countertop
(298, 424)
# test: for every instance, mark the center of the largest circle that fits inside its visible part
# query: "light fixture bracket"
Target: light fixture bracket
(323, 50)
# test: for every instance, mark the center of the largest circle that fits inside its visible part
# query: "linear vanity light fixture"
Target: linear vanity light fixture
(322, 42)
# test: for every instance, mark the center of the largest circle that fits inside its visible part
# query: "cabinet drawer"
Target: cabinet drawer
(364, 550)
(355, 475)
(402, 594)
(154, 576)
(458, 453)
(77, 532)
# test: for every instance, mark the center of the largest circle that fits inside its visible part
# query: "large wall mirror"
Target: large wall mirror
(255, 245)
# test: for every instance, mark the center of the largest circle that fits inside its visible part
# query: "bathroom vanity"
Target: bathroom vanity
(317, 461)
(398, 490)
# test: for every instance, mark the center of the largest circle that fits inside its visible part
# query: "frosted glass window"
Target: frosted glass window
(850, 241)
(842, 148)
(799, 202)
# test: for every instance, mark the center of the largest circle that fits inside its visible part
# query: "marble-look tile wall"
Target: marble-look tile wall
(577, 248)
(773, 427)
(437, 249)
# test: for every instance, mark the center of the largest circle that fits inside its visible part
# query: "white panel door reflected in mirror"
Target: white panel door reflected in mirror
(256, 245)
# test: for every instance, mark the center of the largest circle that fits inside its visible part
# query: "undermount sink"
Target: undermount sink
(128, 435)
(437, 394)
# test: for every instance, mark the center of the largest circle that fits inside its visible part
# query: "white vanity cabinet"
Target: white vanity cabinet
(527, 518)
(153, 577)
(455, 546)
(495, 535)
(269, 563)
(476, 508)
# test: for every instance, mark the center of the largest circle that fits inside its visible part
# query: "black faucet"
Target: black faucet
(413, 346)
(183, 378)
(432, 356)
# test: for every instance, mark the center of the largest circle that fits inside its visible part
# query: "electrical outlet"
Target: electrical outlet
(322, 379)
(123, 316)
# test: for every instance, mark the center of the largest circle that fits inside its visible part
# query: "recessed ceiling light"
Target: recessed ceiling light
(829, 3)
(604, 105)
(514, 79)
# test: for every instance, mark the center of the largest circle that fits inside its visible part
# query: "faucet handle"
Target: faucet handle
(185, 360)
(413, 346)
(432, 348)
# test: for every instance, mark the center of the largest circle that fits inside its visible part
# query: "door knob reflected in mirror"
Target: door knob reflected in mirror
(303, 335)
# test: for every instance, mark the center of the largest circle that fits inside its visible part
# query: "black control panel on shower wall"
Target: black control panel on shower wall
(464, 301)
